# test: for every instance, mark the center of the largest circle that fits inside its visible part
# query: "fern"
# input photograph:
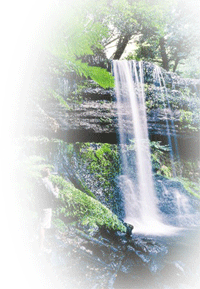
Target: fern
(74, 35)
(98, 74)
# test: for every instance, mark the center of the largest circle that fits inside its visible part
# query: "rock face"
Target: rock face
(95, 118)
(92, 120)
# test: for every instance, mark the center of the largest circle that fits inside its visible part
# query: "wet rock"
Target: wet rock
(129, 228)
(175, 204)
(95, 118)
(98, 93)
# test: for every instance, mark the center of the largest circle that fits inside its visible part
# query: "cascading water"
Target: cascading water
(160, 83)
(139, 194)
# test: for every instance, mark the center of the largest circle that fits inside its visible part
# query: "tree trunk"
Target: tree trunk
(165, 60)
(121, 45)
(176, 64)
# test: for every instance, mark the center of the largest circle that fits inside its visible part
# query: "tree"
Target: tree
(165, 32)
(80, 31)
(175, 40)
(126, 20)
(132, 20)
(183, 33)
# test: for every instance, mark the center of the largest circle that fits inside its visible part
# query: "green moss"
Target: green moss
(191, 187)
(187, 171)
(57, 96)
(187, 119)
(105, 120)
(83, 208)
(86, 190)
(161, 159)
(103, 162)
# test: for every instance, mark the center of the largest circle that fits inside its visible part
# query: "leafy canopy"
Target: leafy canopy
(75, 33)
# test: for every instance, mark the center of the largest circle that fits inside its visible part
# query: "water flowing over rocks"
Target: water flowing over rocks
(104, 258)
(94, 118)
(178, 208)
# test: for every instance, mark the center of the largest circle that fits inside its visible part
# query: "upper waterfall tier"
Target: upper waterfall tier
(94, 118)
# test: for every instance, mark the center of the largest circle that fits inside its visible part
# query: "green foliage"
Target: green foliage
(187, 118)
(190, 68)
(160, 159)
(60, 225)
(59, 98)
(102, 162)
(86, 27)
(73, 202)
(98, 74)
(156, 145)
(192, 187)
(167, 34)
(188, 170)
(83, 208)
(105, 120)
(76, 33)
(30, 167)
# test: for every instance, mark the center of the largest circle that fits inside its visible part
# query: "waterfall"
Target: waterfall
(136, 182)
(160, 83)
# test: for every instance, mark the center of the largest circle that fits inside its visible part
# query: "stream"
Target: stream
(105, 260)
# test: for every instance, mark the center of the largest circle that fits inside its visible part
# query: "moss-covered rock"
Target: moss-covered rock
(83, 208)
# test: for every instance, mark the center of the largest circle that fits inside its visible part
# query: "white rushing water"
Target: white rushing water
(139, 193)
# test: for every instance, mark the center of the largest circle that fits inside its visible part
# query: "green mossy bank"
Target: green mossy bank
(79, 207)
